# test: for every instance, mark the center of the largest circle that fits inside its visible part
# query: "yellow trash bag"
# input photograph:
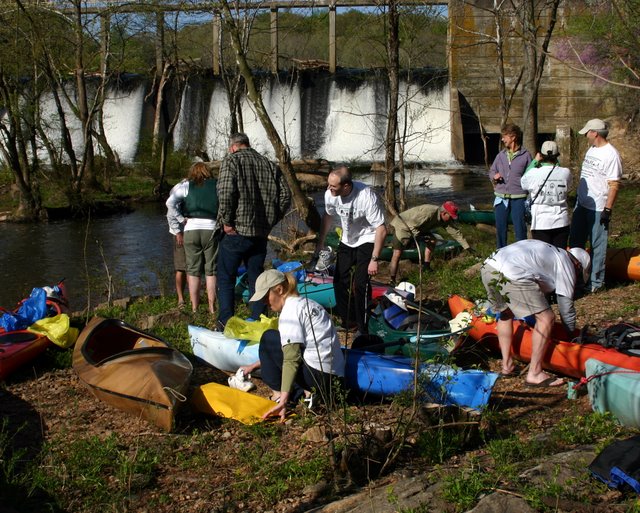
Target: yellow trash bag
(249, 330)
(215, 399)
(57, 329)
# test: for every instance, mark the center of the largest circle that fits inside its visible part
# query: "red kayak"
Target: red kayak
(18, 347)
(561, 356)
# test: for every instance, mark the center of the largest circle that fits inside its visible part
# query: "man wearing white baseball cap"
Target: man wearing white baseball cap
(597, 191)
(518, 279)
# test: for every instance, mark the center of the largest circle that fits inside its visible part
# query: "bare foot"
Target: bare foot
(543, 380)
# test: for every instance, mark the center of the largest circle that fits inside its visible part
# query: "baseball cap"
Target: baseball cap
(451, 208)
(585, 261)
(593, 124)
(549, 149)
(265, 281)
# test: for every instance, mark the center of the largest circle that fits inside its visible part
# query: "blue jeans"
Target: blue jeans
(585, 226)
(515, 209)
(232, 251)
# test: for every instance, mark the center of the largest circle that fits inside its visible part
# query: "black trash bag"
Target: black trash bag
(618, 465)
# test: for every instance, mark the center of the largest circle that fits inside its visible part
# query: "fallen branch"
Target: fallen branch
(292, 246)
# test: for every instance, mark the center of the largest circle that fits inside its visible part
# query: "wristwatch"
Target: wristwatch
(374, 258)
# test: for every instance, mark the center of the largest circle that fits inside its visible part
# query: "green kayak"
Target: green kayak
(435, 334)
(444, 248)
(477, 216)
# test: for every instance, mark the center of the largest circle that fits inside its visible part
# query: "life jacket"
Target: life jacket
(202, 200)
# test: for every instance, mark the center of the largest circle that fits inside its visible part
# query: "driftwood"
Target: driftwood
(311, 173)
(293, 245)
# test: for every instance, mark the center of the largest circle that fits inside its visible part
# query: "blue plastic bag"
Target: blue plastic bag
(296, 268)
(32, 309)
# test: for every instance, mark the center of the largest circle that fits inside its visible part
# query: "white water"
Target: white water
(123, 121)
(354, 128)
(348, 123)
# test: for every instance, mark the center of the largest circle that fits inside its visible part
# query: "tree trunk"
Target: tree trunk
(306, 210)
(393, 53)
(13, 149)
(534, 62)
(158, 84)
(85, 115)
(529, 90)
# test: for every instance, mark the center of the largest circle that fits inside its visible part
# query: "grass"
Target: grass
(108, 472)
(509, 456)
(100, 470)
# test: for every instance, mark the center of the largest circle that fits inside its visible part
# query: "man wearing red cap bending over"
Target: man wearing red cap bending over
(419, 222)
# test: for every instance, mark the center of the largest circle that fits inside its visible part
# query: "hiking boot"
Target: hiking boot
(325, 259)
(425, 267)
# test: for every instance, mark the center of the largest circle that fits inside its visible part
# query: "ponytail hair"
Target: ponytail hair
(290, 285)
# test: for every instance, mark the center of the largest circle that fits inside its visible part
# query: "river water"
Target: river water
(134, 249)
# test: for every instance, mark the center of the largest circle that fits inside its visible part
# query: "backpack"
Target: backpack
(624, 336)
(618, 464)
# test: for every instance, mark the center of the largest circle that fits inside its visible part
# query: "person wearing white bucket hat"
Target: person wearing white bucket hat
(597, 191)
(548, 186)
(304, 354)
(518, 279)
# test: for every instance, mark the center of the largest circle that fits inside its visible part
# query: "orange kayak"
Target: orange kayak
(561, 355)
(623, 264)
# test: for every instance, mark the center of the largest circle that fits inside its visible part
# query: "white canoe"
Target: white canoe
(226, 354)
(614, 389)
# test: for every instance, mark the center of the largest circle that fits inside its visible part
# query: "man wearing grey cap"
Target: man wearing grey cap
(548, 184)
(599, 183)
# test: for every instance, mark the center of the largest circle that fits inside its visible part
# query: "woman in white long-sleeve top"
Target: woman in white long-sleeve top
(304, 355)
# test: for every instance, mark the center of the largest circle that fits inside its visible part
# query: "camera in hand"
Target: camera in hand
(498, 180)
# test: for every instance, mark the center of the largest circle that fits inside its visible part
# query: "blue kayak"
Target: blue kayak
(366, 373)
(386, 375)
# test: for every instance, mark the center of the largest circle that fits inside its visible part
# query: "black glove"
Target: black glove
(605, 217)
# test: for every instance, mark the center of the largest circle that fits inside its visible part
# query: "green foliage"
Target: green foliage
(512, 450)
(438, 444)
(464, 489)
(60, 358)
(624, 223)
(267, 474)
(585, 429)
(10, 477)
(603, 37)
(103, 471)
